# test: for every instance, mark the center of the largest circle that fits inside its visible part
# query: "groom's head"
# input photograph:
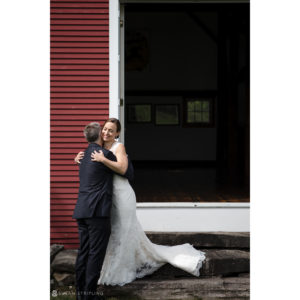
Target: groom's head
(92, 132)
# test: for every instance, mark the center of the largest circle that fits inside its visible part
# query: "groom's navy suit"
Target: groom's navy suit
(95, 190)
(92, 212)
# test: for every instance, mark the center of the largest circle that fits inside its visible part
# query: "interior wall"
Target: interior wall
(182, 57)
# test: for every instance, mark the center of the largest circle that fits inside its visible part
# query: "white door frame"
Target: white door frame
(116, 64)
(172, 216)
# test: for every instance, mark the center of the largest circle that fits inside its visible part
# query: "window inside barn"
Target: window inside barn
(198, 112)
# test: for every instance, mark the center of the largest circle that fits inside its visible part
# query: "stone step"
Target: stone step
(54, 249)
(218, 262)
(220, 240)
(64, 262)
(204, 288)
(232, 288)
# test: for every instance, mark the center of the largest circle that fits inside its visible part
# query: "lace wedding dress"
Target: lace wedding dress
(130, 254)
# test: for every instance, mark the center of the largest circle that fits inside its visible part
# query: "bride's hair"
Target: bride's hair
(115, 121)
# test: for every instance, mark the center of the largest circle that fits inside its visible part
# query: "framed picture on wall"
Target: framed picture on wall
(139, 113)
(137, 56)
(167, 114)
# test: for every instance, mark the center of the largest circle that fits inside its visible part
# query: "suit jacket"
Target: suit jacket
(95, 191)
(130, 171)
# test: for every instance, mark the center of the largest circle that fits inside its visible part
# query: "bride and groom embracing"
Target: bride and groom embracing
(114, 250)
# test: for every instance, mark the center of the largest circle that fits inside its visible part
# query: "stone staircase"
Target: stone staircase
(224, 274)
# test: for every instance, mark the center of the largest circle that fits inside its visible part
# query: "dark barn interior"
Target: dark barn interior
(187, 109)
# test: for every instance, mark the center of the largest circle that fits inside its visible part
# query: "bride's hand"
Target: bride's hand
(98, 156)
(78, 157)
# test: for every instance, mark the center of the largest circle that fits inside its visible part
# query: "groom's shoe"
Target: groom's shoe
(80, 296)
(95, 297)
(99, 298)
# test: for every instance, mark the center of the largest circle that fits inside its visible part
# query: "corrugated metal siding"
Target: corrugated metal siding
(79, 95)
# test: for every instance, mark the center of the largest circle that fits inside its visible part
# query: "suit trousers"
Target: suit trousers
(93, 236)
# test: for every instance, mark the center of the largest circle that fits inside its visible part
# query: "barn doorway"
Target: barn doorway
(186, 102)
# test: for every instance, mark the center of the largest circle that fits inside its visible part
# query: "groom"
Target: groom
(92, 212)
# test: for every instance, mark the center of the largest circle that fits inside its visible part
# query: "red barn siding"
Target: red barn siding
(79, 95)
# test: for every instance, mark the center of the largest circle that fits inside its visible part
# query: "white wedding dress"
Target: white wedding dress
(130, 254)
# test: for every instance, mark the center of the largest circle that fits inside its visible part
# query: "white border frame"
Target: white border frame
(114, 58)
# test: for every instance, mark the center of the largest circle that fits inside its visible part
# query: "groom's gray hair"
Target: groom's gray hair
(92, 132)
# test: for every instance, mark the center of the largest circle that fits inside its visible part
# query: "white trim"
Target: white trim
(122, 75)
(202, 218)
(193, 204)
(114, 81)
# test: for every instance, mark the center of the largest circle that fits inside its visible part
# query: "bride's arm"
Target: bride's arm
(78, 157)
(120, 166)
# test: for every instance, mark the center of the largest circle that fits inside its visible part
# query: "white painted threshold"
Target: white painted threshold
(192, 204)
(194, 217)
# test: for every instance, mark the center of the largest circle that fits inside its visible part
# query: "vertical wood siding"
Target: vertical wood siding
(79, 95)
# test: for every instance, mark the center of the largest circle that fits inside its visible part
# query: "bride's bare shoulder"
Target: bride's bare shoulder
(120, 147)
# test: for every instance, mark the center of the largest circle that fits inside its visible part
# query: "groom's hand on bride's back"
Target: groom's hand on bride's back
(78, 157)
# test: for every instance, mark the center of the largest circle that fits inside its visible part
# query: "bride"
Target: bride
(130, 254)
